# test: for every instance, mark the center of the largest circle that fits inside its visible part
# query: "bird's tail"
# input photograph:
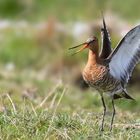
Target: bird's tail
(126, 95)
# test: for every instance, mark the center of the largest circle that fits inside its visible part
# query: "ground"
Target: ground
(65, 113)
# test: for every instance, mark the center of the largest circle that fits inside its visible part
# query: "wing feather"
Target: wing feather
(106, 42)
(126, 55)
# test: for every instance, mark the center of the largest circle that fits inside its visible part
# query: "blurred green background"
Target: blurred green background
(34, 59)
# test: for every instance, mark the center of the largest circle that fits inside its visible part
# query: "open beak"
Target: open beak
(84, 47)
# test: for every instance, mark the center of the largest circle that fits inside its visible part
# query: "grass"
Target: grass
(64, 114)
(37, 99)
(36, 105)
(66, 10)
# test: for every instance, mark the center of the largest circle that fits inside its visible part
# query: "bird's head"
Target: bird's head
(91, 44)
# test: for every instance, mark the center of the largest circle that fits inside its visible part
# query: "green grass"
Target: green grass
(65, 113)
(37, 101)
(67, 10)
(38, 104)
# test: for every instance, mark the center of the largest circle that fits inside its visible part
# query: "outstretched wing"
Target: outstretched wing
(126, 55)
(106, 42)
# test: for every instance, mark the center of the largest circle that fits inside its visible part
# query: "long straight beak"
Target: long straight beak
(77, 46)
(84, 47)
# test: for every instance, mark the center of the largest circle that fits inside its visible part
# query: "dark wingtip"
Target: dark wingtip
(104, 25)
(127, 96)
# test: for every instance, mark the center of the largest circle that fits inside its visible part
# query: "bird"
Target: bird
(111, 75)
(105, 49)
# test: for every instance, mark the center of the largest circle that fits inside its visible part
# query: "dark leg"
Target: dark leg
(104, 112)
(113, 114)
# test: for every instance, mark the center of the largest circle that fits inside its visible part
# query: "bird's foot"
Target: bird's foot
(101, 129)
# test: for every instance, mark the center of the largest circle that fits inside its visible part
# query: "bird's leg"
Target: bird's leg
(104, 112)
(113, 114)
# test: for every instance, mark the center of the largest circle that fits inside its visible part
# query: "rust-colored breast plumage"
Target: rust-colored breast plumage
(98, 76)
(94, 73)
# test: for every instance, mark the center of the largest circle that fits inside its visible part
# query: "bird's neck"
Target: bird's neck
(93, 57)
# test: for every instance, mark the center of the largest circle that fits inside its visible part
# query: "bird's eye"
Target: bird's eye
(90, 40)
